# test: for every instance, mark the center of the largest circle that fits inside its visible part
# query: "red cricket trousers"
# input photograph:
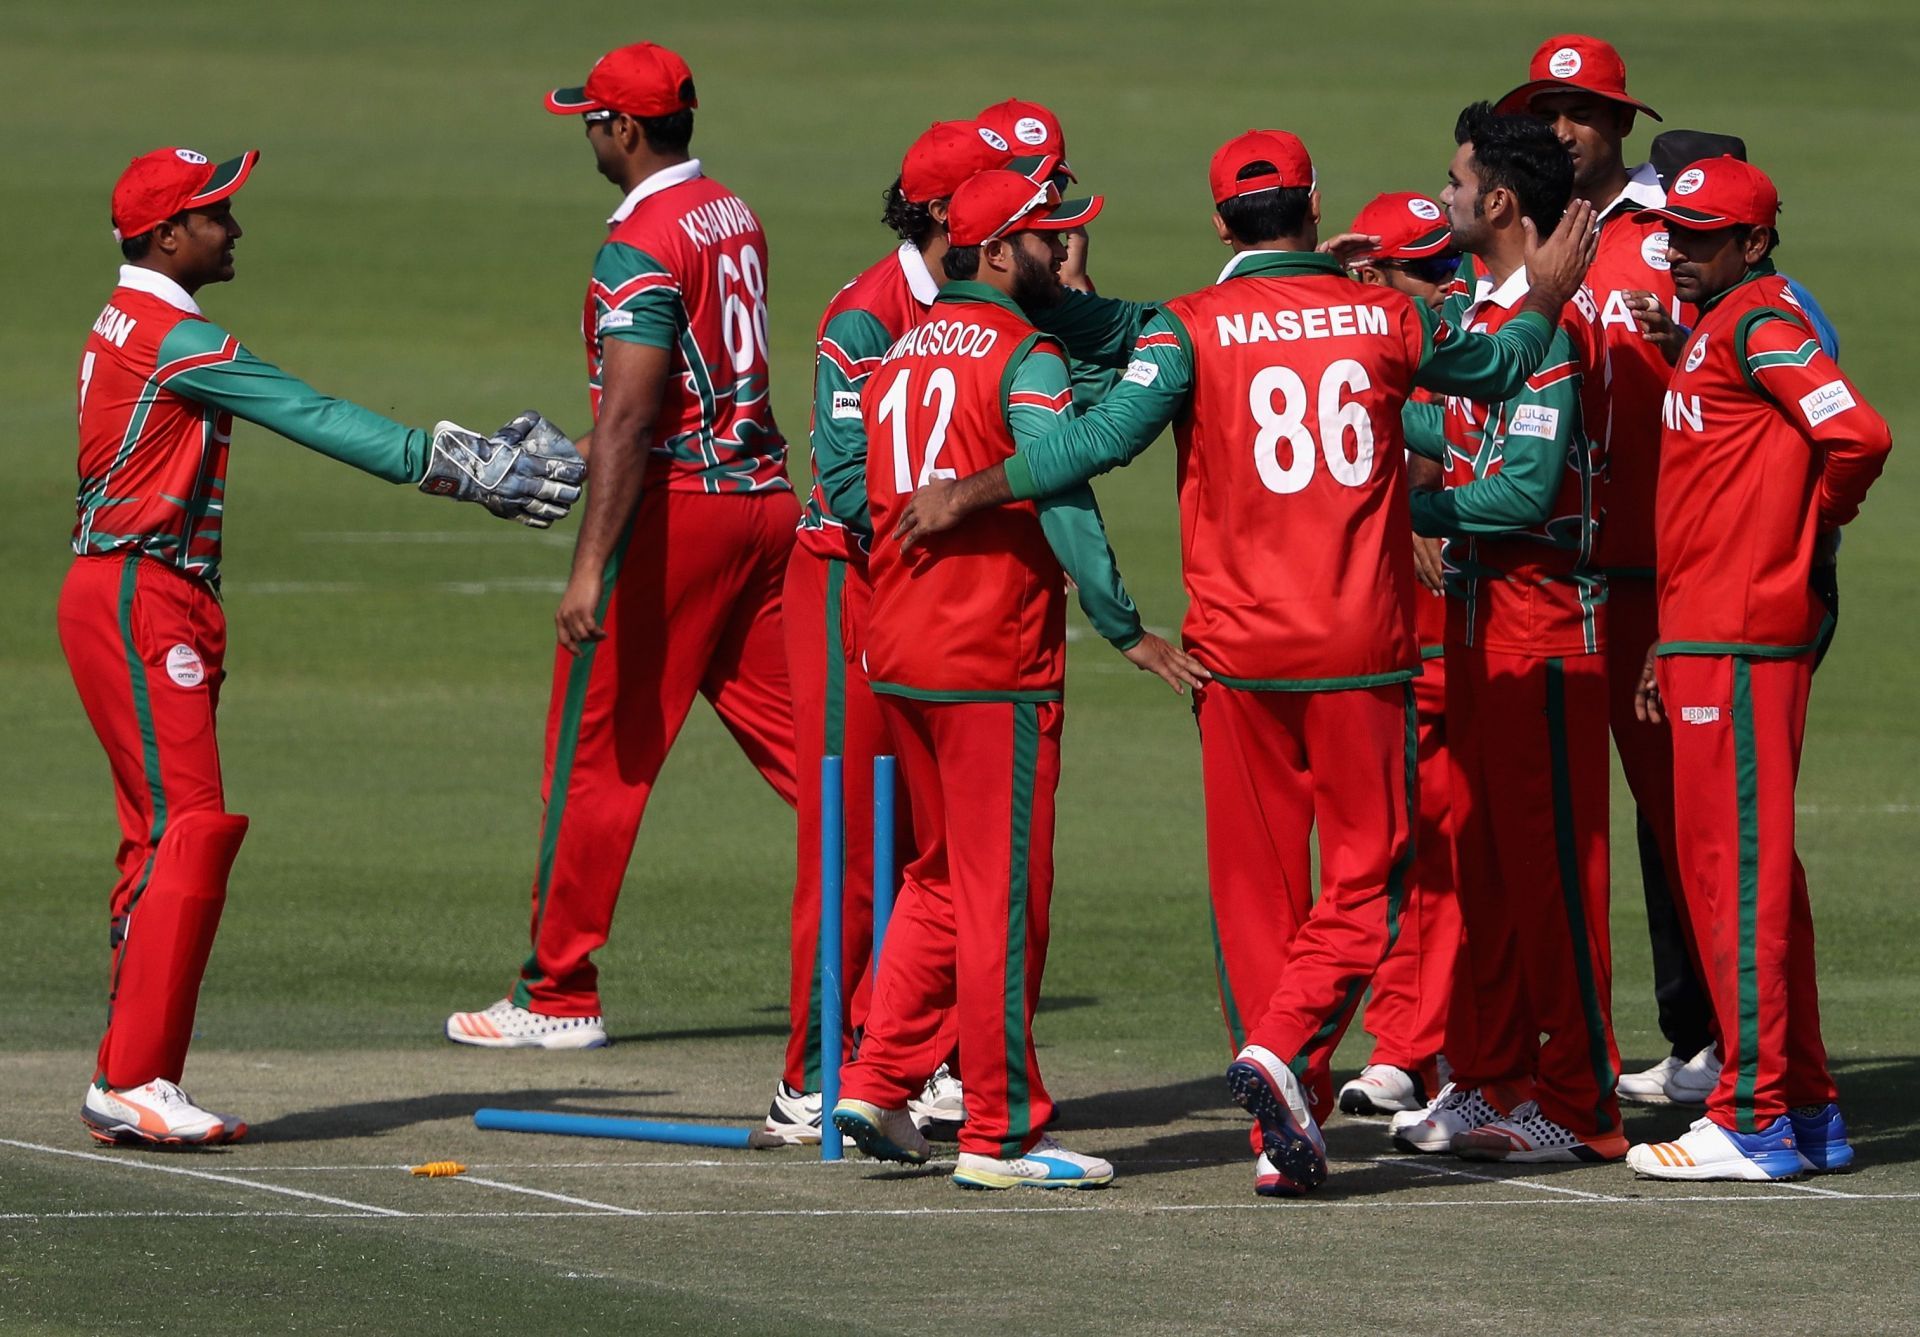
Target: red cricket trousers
(1406, 1011)
(1738, 724)
(1275, 765)
(691, 606)
(1532, 1003)
(969, 932)
(834, 714)
(146, 643)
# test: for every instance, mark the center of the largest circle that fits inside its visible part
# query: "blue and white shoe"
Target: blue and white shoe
(1046, 1164)
(1293, 1155)
(1708, 1151)
(885, 1135)
(1820, 1135)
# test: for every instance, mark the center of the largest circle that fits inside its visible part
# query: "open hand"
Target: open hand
(1348, 246)
(1646, 696)
(1173, 666)
(1427, 564)
(1657, 325)
(930, 511)
(1556, 266)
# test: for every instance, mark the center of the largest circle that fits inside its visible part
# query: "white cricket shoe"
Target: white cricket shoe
(1046, 1164)
(156, 1114)
(1380, 1088)
(505, 1026)
(1529, 1137)
(1696, 1078)
(1293, 1154)
(940, 1101)
(885, 1135)
(1708, 1151)
(794, 1115)
(1649, 1087)
(1450, 1113)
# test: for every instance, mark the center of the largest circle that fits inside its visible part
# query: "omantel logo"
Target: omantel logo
(1697, 354)
(1653, 250)
(1030, 130)
(1565, 62)
(1690, 180)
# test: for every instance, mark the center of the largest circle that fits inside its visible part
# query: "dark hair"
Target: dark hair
(961, 263)
(674, 131)
(1520, 154)
(1266, 215)
(909, 221)
(136, 248)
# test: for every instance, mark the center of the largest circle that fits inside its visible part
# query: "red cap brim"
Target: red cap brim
(1521, 99)
(571, 102)
(1694, 220)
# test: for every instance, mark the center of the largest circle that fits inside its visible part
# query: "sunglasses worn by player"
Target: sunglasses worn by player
(1428, 269)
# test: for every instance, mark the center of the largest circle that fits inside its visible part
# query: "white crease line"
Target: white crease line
(1446, 1170)
(1305, 1205)
(1819, 1192)
(606, 1207)
(1885, 809)
(126, 1164)
(756, 1164)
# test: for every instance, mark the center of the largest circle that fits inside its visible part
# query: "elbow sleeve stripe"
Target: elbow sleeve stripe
(1159, 340)
(1798, 357)
(639, 283)
(1549, 376)
(1056, 403)
(226, 352)
(854, 368)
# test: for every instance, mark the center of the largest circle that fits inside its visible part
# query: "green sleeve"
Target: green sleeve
(1424, 423)
(1536, 432)
(635, 297)
(1148, 397)
(1483, 367)
(227, 376)
(1091, 383)
(1039, 398)
(850, 348)
(1100, 330)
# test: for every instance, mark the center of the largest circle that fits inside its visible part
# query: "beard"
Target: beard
(1034, 284)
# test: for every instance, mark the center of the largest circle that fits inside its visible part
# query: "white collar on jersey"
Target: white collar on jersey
(1233, 264)
(920, 280)
(1643, 191)
(141, 279)
(675, 175)
(1513, 290)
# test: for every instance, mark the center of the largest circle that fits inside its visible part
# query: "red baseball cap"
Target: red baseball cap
(641, 80)
(1292, 168)
(1410, 227)
(1029, 128)
(1573, 63)
(1001, 202)
(1719, 192)
(949, 152)
(158, 185)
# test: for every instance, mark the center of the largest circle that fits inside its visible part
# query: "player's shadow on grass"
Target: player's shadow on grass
(339, 1123)
(753, 1031)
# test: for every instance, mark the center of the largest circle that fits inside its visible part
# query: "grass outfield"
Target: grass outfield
(418, 236)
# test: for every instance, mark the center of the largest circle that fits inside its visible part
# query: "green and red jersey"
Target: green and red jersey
(684, 268)
(1765, 445)
(978, 613)
(1632, 257)
(160, 386)
(860, 324)
(1284, 382)
(1521, 504)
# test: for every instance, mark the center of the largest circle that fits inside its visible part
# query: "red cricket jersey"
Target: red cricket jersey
(1766, 443)
(1292, 477)
(1534, 591)
(685, 268)
(1632, 257)
(153, 463)
(886, 293)
(978, 612)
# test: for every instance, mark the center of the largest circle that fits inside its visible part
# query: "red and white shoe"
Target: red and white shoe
(1528, 1137)
(158, 1114)
(505, 1026)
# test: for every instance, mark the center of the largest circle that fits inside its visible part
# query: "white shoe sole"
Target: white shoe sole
(1649, 1166)
(1642, 1096)
(575, 1038)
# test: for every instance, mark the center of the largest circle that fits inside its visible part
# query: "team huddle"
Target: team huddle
(1463, 491)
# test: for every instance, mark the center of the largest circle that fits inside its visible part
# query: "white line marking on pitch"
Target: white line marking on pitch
(606, 1207)
(1448, 1171)
(125, 1164)
(1155, 1209)
(1821, 1192)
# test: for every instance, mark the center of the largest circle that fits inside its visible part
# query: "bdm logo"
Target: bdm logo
(1700, 714)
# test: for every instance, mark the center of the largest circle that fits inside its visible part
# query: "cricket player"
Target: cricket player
(1284, 382)
(966, 650)
(1766, 447)
(1406, 1012)
(827, 593)
(140, 617)
(1529, 1029)
(677, 570)
(1577, 85)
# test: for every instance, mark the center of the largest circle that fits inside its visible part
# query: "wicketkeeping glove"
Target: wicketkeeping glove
(527, 471)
